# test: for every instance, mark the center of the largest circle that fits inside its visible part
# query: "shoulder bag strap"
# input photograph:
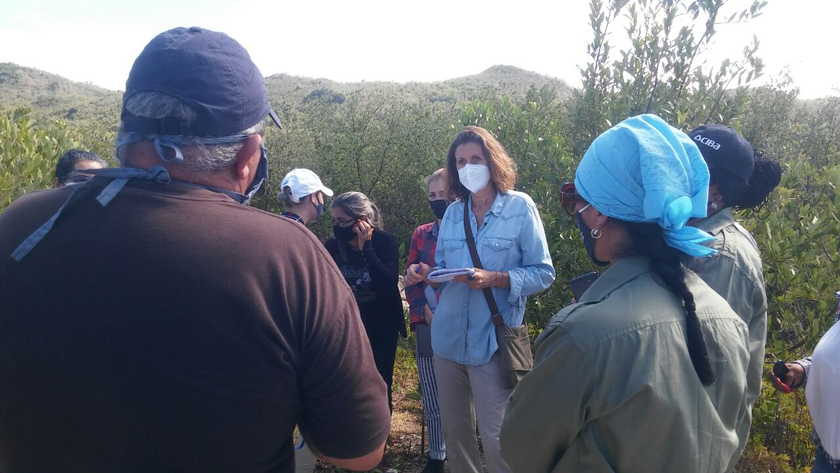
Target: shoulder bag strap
(488, 294)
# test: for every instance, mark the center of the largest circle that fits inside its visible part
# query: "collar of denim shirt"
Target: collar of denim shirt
(497, 207)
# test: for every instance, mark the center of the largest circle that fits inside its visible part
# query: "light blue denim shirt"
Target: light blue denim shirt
(511, 239)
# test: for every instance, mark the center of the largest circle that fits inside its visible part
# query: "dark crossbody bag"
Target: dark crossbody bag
(515, 356)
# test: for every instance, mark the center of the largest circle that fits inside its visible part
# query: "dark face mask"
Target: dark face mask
(438, 207)
(260, 176)
(344, 233)
(588, 240)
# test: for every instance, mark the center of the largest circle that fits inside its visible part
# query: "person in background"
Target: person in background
(740, 179)
(512, 247)
(303, 195)
(369, 259)
(647, 372)
(202, 345)
(821, 398)
(72, 163)
(422, 300)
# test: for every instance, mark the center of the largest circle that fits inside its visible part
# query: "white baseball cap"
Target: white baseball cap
(303, 182)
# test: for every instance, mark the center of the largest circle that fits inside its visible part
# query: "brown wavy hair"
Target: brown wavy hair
(502, 168)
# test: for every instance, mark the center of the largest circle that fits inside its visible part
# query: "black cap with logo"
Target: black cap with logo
(723, 148)
(210, 72)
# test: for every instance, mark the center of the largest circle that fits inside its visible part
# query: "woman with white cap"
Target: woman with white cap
(303, 194)
(647, 372)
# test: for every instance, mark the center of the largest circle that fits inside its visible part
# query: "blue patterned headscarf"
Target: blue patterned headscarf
(644, 170)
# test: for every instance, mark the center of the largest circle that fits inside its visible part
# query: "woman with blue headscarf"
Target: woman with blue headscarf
(647, 372)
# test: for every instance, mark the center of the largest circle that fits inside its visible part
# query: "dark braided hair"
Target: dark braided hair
(750, 195)
(665, 261)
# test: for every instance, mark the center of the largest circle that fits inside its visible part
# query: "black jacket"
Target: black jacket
(383, 258)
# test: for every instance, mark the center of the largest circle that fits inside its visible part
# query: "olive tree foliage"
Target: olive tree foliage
(798, 233)
(28, 155)
(378, 143)
(660, 67)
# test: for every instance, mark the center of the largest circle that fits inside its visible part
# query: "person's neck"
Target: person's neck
(693, 222)
(483, 198)
(223, 179)
(300, 211)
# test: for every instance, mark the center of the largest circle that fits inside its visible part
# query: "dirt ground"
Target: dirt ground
(402, 453)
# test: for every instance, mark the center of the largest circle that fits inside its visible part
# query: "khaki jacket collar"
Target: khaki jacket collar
(717, 222)
(617, 275)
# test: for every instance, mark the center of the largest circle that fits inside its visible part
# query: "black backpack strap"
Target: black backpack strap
(488, 294)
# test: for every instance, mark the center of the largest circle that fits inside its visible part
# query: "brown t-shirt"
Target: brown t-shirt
(176, 330)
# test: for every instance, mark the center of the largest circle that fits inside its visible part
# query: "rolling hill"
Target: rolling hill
(50, 96)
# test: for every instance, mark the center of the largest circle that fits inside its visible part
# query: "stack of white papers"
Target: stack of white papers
(443, 275)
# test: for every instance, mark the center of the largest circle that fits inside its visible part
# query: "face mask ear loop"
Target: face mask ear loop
(161, 143)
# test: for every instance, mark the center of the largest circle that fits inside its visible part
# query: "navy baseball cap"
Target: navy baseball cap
(723, 148)
(207, 70)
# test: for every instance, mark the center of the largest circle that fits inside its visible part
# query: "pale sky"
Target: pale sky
(97, 40)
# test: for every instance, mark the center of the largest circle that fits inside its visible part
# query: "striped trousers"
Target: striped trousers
(428, 385)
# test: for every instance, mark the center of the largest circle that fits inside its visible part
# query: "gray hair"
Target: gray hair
(287, 197)
(358, 205)
(198, 156)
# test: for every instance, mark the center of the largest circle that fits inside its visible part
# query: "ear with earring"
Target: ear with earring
(596, 233)
(713, 206)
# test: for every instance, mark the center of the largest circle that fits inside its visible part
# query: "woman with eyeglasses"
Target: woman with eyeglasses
(368, 257)
(647, 372)
(72, 165)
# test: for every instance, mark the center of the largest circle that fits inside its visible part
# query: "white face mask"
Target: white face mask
(474, 177)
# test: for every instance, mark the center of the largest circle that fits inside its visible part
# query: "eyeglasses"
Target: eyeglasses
(569, 198)
(343, 223)
(76, 177)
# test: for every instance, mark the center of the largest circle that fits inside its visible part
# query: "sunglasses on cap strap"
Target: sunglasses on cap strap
(569, 198)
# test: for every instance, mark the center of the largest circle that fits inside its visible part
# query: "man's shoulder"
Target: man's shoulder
(38, 199)
(30, 211)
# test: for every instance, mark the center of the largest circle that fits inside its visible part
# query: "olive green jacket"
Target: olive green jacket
(614, 389)
(735, 273)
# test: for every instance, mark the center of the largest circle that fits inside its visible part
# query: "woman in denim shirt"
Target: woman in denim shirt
(511, 244)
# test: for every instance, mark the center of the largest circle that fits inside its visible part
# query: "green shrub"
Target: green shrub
(28, 155)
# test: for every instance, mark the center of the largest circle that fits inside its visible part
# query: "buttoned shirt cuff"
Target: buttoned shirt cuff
(517, 280)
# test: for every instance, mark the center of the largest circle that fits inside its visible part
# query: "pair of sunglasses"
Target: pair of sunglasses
(569, 198)
(344, 223)
(76, 177)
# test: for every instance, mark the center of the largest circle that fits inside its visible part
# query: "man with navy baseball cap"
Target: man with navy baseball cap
(150, 323)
